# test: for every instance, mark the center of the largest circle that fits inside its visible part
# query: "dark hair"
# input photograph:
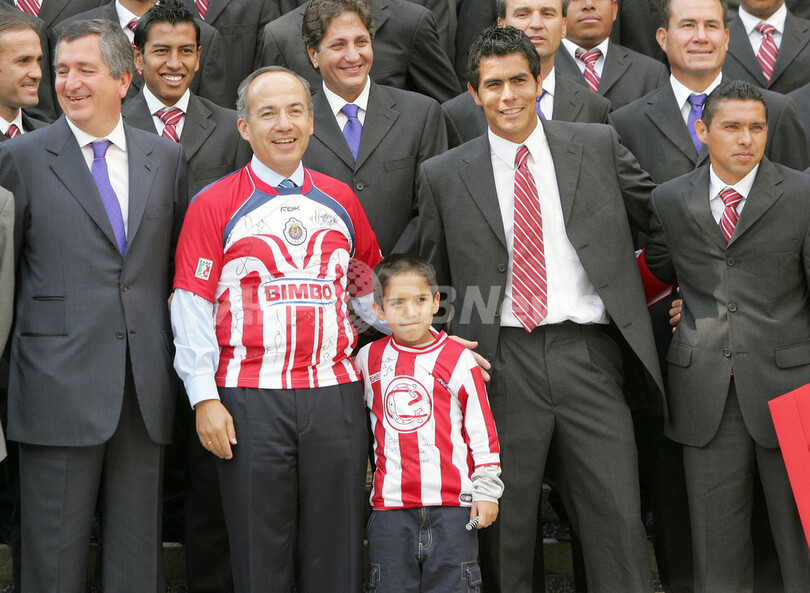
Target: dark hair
(665, 12)
(500, 7)
(14, 21)
(401, 263)
(500, 41)
(116, 50)
(319, 14)
(729, 90)
(173, 12)
(244, 87)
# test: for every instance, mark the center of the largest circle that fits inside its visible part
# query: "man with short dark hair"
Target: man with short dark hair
(550, 290)
(91, 398)
(741, 337)
(20, 75)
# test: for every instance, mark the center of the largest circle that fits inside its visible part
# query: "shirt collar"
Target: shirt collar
(17, 121)
(777, 19)
(336, 102)
(124, 14)
(742, 187)
(682, 92)
(549, 82)
(573, 47)
(117, 136)
(271, 177)
(154, 104)
(507, 150)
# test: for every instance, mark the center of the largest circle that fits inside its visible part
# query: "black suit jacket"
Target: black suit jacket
(465, 120)
(401, 130)
(29, 125)
(53, 12)
(473, 17)
(407, 52)
(210, 139)
(208, 81)
(627, 75)
(792, 68)
(801, 97)
(635, 26)
(654, 130)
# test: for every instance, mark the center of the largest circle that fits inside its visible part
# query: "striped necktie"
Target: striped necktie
(202, 7)
(590, 57)
(13, 131)
(730, 217)
(30, 6)
(170, 116)
(768, 52)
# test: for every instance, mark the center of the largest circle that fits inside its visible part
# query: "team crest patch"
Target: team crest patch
(203, 268)
(294, 232)
(408, 405)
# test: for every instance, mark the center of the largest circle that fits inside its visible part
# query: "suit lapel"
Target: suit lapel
(567, 104)
(764, 193)
(666, 116)
(380, 117)
(379, 14)
(328, 132)
(50, 10)
(215, 8)
(141, 176)
(567, 158)
(137, 114)
(794, 40)
(478, 178)
(740, 48)
(197, 127)
(696, 197)
(616, 64)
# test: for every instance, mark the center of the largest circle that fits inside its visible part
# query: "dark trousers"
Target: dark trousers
(294, 492)
(559, 388)
(422, 550)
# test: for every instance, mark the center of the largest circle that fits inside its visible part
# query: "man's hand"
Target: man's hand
(486, 512)
(215, 428)
(675, 312)
(482, 362)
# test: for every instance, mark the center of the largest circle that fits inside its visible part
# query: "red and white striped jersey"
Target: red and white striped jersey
(431, 422)
(279, 265)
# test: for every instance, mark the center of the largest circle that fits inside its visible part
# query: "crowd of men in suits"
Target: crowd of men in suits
(422, 108)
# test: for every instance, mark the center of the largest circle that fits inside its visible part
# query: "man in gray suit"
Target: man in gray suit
(544, 22)
(556, 349)
(734, 236)
(762, 29)
(408, 54)
(397, 129)
(91, 394)
(589, 57)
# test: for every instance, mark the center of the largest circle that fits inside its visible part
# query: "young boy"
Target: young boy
(435, 447)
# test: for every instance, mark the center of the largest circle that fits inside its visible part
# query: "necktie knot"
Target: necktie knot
(730, 197)
(100, 149)
(697, 100)
(522, 156)
(132, 24)
(170, 115)
(589, 57)
(29, 6)
(286, 184)
(13, 131)
(202, 6)
(765, 29)
(350, 110)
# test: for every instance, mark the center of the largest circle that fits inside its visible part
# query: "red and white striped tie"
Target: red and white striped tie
(730, 217)
(132, 24)
(590, 57)
(529, 296)
(170, 116)
(768, 52)
(30, 6)
(202, 6)
(13, 131)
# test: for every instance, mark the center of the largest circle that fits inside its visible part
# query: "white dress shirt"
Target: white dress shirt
(777, 20)
(571, 296)
(547, 100)
(336, 103)
(154, 105)
(117, 162)
(124, 17)
(682, 94)
(17, 121)
(742, 187)
(599, 65)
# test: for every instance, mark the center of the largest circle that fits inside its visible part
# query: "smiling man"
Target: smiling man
(20, 75)
(734, 235)
(268, 261)
(548, 287)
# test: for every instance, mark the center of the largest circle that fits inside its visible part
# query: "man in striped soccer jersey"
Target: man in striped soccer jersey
(267, 264)
(436, 453)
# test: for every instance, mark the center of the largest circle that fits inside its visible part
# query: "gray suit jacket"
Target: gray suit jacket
(208, 81)
(407, 52)
(461, 232)
(401, 130)
(53, 12)
(465, 120)
(654, 130)
(210, 139)
(635, 27)
(29, 125)
(792, 68)
(745, 304)
(627, 75)
(81, 310)
(6, 276)
(801, 97)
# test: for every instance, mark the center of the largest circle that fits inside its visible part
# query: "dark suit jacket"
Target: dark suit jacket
(465, 120)
(81, 310)
(210, 139)
(627, 75)
(801, 98)
(745, 302)
(213, 60)
(53, 12)
(792, 68)
(239, 23)
(461, 231)
(473, 17)
(407, 52)
(29, 125)
(401, 130)
(654, 130)
(635, 27)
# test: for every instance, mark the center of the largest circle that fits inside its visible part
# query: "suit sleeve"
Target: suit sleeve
(213, 74)
(430, 238)
(789, 146)
(656, 256)
(453, 136)
(269, 54)
(12, 180)
(6, 264)
(181, 199)
(428, 64)
(446, 22)
(636, 184)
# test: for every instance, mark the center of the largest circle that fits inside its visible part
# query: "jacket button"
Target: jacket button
(360, 186)
(124, 288)
(496, 313)
(731, 261)
(119, 334)
(501, 267)
(727, 353)
(732, 307)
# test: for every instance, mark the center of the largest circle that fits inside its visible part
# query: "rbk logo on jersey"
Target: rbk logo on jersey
(286, 291)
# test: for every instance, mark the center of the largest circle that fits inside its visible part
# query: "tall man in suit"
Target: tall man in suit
(371, 137)
(768, 46)
(544, 22)
(53, 12)
(555, 346)
(407, 51)
(20, 75)
(734, 236)
(589, 57)
(91, 395)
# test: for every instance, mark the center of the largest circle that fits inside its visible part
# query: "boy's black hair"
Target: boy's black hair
(173, 12)
(401, 263)
(497, 42)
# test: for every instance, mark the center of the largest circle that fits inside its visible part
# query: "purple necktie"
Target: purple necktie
(108, 197)
(353, 129)
(695, 113)
(540, 111)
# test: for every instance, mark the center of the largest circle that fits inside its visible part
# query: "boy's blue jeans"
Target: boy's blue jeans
(422, 550)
